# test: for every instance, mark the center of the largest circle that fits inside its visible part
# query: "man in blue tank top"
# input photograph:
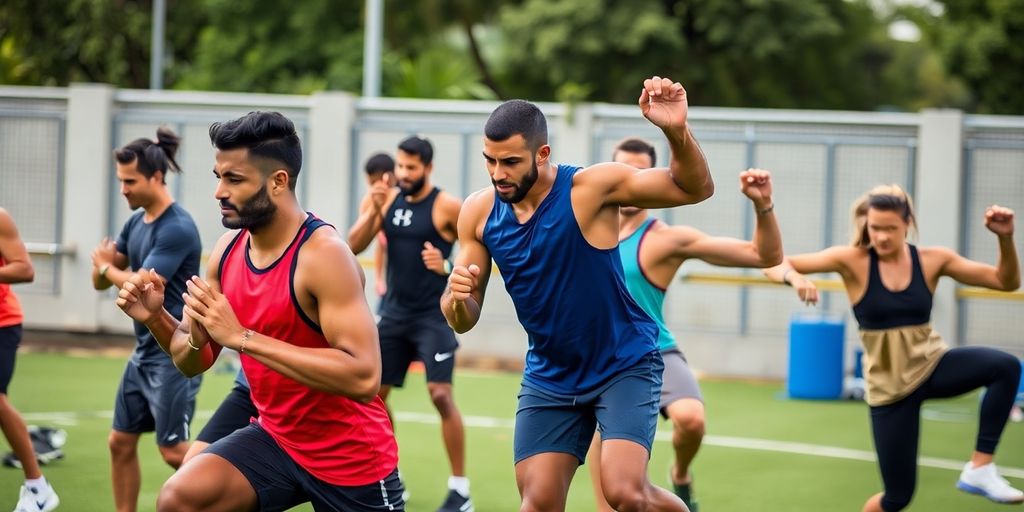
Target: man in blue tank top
(552, 230)
(419, 222)
(651, 253)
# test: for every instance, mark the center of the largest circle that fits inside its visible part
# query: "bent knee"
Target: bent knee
(175, 497)
(691, 423)
(627, 500)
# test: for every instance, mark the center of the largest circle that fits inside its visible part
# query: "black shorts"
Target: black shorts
(10, 338)
(235, 412)
(280, 483)
(156, 397)
(426, 338)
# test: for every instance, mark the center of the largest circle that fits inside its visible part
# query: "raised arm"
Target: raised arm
(17, 267)
(764, 250)
(371, 216)
(464, 295)
(687, 179)
(1005, 275)
(794, 269)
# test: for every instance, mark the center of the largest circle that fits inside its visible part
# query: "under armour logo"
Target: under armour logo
(402, 218)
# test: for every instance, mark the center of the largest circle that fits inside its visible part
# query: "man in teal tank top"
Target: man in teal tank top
(651, 253)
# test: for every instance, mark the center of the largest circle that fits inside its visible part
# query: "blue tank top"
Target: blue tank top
(881, 308)
(648, 295)
(582, 324)
(413, 289)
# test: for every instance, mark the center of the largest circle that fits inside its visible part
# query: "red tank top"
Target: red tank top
(10, 308)
(338, 440)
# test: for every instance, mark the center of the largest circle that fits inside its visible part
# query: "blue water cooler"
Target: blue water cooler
(816, 356)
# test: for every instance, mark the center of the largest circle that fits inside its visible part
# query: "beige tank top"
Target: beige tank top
(898, 360)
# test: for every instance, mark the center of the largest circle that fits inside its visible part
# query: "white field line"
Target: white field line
(743, 443)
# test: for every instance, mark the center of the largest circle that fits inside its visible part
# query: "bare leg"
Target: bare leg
(174, 455)
(687, 416)
(874, 504)
(624, 478)
(543, 481)
(451, 425)
(17, 436)
(124, 470)
(207, 483)
(594, 463)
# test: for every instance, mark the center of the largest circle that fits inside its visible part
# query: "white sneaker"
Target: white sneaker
(985, 481)
(37, 500)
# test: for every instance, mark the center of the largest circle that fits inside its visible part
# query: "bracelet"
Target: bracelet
(447, 267)
(245, 337)
(190, 344)
(784, 275)
(766, 210)
(103, 270)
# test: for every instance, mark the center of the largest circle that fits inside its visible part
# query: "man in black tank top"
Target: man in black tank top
(419, 221)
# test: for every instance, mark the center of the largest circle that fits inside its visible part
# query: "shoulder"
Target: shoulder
(326, 253)
(448, 203)
(219, 248)
(6, 222)
(479, 203)
(937, 253)
(603, 173)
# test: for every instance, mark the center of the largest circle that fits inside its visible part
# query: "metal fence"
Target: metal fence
(821, 162)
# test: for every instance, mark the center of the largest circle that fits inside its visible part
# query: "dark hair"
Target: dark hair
(267, 135)
(635, 145)
(518, 117)
(150, 156)
(418, 146)
(380, 162)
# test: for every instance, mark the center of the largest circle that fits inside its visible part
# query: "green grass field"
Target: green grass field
(745, 464)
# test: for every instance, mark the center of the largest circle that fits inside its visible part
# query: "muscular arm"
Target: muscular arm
(1005, 275)
(462, 309)
(17, 266)
(190, 361)
(351, 366)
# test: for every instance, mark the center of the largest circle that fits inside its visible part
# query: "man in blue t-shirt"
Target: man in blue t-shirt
(553, 230)
(153, 394)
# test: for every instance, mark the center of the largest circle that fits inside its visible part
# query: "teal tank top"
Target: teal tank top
(649, 296)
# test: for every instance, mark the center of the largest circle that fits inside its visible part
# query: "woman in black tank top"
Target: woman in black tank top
(890, 284)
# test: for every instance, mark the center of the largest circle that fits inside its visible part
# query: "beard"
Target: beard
(255, 214)
(519, 189)
(412, 188)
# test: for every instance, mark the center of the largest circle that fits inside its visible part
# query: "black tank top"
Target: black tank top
(413, 289)
(881, 308)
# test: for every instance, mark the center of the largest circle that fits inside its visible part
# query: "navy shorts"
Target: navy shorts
(625, 407)
(10, 338)
(235, 412)
(156, 397)
(280, 483)
(426, 338)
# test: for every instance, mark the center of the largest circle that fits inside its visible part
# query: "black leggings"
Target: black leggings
(897, 426)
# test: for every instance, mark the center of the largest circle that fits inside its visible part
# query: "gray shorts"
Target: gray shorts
(156, 397)
(678, 381)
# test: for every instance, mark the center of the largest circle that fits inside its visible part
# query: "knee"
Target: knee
(174, 498)
(442, 399)
(626, 499)
(121, 446)
(172, 456)
(690, 424)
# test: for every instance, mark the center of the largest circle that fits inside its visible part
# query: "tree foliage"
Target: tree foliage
(979, 42)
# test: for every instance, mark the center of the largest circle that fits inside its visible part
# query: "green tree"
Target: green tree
(980, 43)
(56, 42)
(753, 53)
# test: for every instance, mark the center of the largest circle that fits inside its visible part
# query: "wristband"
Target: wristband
(245, 337)
(766, 210)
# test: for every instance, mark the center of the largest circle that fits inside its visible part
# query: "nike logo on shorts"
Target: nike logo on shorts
(441, 357)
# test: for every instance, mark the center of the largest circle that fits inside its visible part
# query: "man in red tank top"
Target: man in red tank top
(285, 291)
